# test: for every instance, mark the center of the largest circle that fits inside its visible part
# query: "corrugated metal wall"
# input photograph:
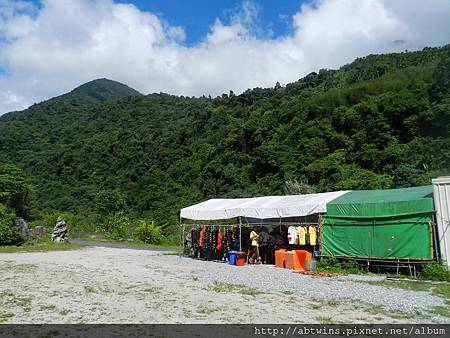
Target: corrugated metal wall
(441, 192)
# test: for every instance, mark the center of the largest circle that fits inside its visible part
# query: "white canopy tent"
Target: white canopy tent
(261, 207)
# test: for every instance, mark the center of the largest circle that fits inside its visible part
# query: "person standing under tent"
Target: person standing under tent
(254, 242)
(263, 245)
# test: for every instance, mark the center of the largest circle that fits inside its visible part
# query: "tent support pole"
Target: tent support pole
(240, 234)
(434, 234)
(181, 238)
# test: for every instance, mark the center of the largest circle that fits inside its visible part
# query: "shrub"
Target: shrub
(148, 232)
(435, 271)
(8, 231)
(75, 223)
(116, 226)
(331, 264)
(171, 234)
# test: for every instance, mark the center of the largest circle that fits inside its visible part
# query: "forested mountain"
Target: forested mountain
(380, 122)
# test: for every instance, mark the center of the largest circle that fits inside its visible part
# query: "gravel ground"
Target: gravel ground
(344, 288)
(109, 285)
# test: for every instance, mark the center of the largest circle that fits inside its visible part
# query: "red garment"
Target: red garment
(200, 240)
(219, 240)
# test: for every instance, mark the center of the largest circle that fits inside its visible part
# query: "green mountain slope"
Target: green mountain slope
(103, 90)
(382, 121)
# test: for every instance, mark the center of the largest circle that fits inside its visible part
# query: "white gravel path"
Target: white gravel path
(107, 285)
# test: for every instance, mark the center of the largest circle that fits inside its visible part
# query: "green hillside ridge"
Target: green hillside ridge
(380, 122)
(103, 90)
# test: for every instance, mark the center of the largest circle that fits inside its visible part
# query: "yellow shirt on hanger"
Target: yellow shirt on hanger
(312, 231)
(301, 235)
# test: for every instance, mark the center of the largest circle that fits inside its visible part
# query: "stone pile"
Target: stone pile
(60, 231)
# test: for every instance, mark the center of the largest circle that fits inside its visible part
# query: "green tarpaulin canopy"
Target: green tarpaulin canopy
(392, 224)
(383, 203)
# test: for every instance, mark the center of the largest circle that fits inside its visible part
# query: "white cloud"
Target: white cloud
(49, 50)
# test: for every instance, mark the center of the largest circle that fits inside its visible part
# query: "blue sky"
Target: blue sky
(198, 47)
(196, 16)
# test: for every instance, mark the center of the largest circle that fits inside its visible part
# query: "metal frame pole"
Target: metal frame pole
(181, 251)
(240, 234)
(434, 234)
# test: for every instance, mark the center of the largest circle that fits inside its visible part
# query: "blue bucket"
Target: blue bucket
(232, 257)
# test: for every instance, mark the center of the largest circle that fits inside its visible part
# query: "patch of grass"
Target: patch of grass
(17, 267)
(23, 302)
(234, 288)
(89, 289)
(406, 285)
(7, 293)
(442, 290)
(222, 287)
(379, 310)
(131, 243)
(399, 315)
(206, 310)
(41, 247)
(332, 265)
(325, 320)
(4, 316)
(153, 290)
(64, 312)
(48, 307)
(319, 303)
(333, 302)
(442, 311)
(250, 291)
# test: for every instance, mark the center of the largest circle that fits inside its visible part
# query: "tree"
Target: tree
(109, 202)
(15, 191)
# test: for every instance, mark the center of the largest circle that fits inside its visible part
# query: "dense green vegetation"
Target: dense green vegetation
(15, 193)
(380, 122)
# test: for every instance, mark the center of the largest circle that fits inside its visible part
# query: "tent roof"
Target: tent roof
(383, 203)
(261, 207)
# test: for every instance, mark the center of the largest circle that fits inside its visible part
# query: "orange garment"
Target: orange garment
(200, 240)
(219, 240)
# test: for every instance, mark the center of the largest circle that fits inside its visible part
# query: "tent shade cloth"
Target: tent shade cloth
(383, 203)
(261, 207)
(387, 224)
(385, 238)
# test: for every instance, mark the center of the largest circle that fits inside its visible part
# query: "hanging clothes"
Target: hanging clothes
(207, 243)
(292, 235)
(219, 241)
(215, 230)
(194, 241)
(201, 237)
(312, 235)
(301, 232)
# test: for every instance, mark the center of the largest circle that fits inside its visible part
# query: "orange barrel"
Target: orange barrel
(302, 257)
(280, 258)
(296, 265)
